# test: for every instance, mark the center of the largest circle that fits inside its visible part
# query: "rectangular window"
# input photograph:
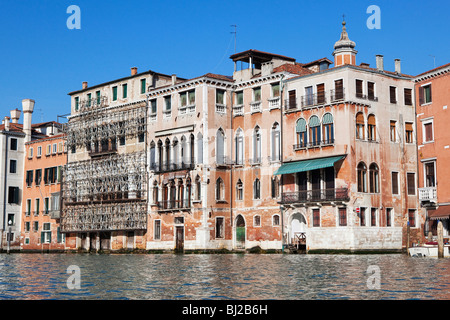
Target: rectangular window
(257, 221)
(412, 218)
(55, 148)
(55, 201)
(11, 220)
(373, 217)
(359, 88)
(219, 227)
(257, 94)
(430, 178)
(27, 226)
(183, 99)
(143, 86)
(28, 212)
(46, 234)
(13, 195)
(29, 178)
(321, 93)
(124, 91)
(409, 138)
(275, 90)
(46, 205)
(425, 94)
(157, 231)
(393, 133)
(39, 151)
(153, 106)
(89, 99)
(114, 92)
(408, 97)
(30, 153)
(13, 144)
(428, 132)
(98, 97)
(394, 182)
(411, 179)
(38, 176)
(342, 217)
(239, 98)
(292, 101)
(362, 216)
(339, 89)
(393, 94)
(36, 226)
(316, 217)
(371, 91)
(168, 103)
(48, 150)
(388, 217)
(220, 96)
(37, 203)
(77, 103)
(12, 166)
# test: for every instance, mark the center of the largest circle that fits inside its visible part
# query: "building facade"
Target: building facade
(433, 143)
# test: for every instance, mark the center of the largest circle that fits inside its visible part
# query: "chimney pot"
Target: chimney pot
(174, 79)
(27, 107)
(397, 66)
(134, 71)
(15, 115)
(85, 85)
(379, 59)
(6, 122)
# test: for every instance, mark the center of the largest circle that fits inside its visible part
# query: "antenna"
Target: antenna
(235, 33)
(434, 60)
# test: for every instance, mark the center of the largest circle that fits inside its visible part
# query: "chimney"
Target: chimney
(27, 108)
(379, 59)
(397, 66)
(267, 68)
(174, 79)
(85, 85)
(134, 71)
(6, 122)
(15, 115)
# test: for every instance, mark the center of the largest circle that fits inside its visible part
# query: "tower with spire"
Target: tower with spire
(344, 49)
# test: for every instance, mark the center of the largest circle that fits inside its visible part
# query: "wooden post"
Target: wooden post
(440, 235)
(408, 233)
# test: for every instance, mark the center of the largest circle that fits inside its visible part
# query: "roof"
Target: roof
(307, 165)
(121, 79)
(435, 69)
(325, 59)
(296, 68)
(261, 55)
(443, 212)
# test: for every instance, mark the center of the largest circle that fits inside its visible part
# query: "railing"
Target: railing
(256, 106)
(171, 166)
(255, 161)
(313, 144)
(337, 95)
(290, 104)
(223, 161)
(89, 104)
(315, 99)
(238, 110)
(428, 194)
(274, 103)
(221, 108)
(55, 214)
(321, 195)
(174, 204)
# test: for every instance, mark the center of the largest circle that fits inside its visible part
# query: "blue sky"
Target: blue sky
(43, 60)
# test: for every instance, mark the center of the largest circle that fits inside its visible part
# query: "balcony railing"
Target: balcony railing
(337, 95)
(428, 194)
(290, 104)
(170, 166)
(255, 161)
(322, 195)
(315, 99)
(174, 204)
(224, 161)
(256, 106)
(55, 214)
(221, 108)
(313, 144)
(238, 110)
(274, 103)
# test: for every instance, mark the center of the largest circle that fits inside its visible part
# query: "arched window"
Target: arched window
(257, 145)
(183, 153)
(301, 132)
(257, 220)
(314, 130)
(362, 177)
(175, 146)
(328, 130)
(187, 197)
(180, 197)
(371, 128)
(220, 189)
(239, 147)
(374, 185)
(239, 190)
(257, 189)
(152, 155)
(155, 192)
(276, 220)
(220, 146)
(198, 188)
(276, 142)
(191, 159)
(160, 155)
(168, 158)
(360, 126)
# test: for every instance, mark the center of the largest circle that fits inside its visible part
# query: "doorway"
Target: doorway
(240, 232)
(179, 238)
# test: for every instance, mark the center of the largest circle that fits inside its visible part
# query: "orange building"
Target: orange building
(44, 160)
(433, 142)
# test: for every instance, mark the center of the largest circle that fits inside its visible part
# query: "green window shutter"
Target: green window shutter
(50, 236)
(58, 235)
(314, 121)
(327, 118)
(42, 237)
(143, 85)
(301, 125)
(125, 90)
(114, 93)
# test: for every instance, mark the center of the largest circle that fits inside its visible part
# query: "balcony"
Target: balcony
(55, 214)
(337, 95)
(274, 103)
(290, 104)
(170, 166)
(312, 100)
(255, 161)
(428, 194)
(224, 162)
(313, 144)
(174, 205)
(221, 108)
(315, 196)
(238, 110)
(255, 106)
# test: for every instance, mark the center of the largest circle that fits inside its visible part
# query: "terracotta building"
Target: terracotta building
(44, 161)
(433, 143)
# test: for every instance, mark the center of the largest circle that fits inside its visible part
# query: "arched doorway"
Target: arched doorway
(298, 231)
(240, 232)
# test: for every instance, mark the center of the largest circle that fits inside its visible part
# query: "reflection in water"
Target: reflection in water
(228, 276)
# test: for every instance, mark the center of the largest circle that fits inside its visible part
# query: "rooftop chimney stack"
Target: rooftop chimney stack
(174, 79)
(85, 85)
(134, 71)
(15, 115)
(397, 66)
(380, 66)
(27, 108)
(6, 122)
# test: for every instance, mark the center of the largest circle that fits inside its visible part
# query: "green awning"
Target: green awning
(307, 165)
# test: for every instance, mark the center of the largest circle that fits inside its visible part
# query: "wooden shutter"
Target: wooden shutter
(371, 90)
(292, 99)
(394, 183)
(411, 184)
(392, 94)
(428, 132)
(321, 93)
(359, 88)
(421, 101)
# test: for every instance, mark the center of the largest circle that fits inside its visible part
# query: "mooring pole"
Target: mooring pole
(440, 236)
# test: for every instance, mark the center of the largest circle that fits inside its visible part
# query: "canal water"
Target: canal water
(223, 276)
